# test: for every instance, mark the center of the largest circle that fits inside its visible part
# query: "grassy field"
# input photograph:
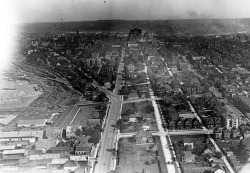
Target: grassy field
(135, 161)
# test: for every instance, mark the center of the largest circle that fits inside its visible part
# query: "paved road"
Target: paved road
(66, 117)
(105, 162)
(141, 100)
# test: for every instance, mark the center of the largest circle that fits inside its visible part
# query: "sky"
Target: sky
(28, 11)
(23, 11)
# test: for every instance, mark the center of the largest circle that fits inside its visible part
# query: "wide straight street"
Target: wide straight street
(105, 161)
(66, 117)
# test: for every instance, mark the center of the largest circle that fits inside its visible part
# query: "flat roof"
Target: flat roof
(19, 151)
(6, 119)
(23, 122)
(7, 147)
(44, 156)
(18, 134)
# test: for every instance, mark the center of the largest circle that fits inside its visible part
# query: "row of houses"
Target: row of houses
(188, 123)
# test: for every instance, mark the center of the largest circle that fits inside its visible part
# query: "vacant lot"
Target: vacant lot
(83, 115)
(134, 159)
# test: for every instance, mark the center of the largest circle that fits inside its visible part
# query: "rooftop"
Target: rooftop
(19, 151)
(6, 119)
(87, 149)
(29, 122)
(7, 147)
(46, 143)
(14, 134)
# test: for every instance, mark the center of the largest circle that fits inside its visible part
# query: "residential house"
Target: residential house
(133, 118)
(209, 121)
(235, 133)
(131, 67)
(246, 134)
(188, 123)
(217, 121)
(244, 130)
(210, 150)
(218, 133)
(196, 123)
(188, 142)
(143, 137)
(147, 116)
(229, 154)
(172, 124)
(180, 124)
(146, 125)
(83, 150)
(226, 134)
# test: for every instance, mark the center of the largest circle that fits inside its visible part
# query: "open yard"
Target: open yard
(136, 116)
(83, 115)
(137, 159)
(135, 91)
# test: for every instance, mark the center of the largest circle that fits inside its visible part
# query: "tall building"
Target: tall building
(134, 33)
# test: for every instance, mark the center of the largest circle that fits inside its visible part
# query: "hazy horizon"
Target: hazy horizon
(43, 11)
(136, 20)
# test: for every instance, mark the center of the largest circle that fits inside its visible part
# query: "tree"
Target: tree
(218, 155)
(139, 93)
(119, 122)
(125, 146)
(78, 132)
(95, 137)
(149, 109)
